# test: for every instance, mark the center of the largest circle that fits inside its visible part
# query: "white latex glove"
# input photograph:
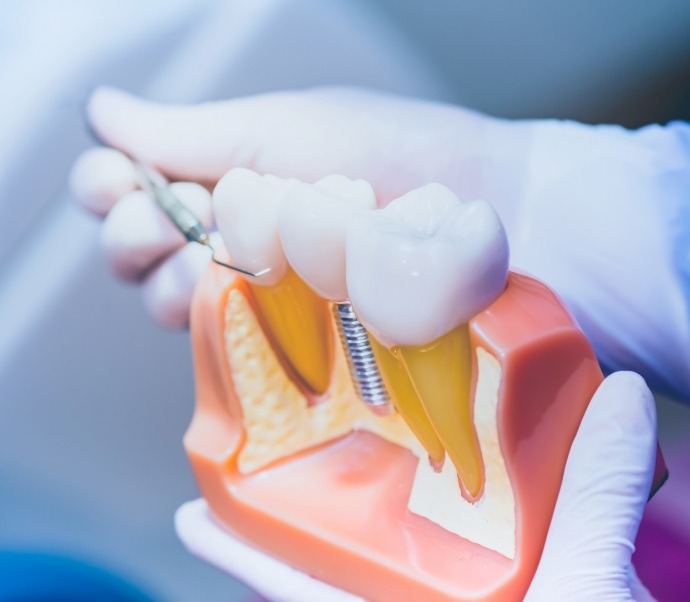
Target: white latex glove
(601, 214)
(588, 548)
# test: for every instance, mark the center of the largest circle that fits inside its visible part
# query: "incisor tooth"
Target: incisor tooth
(297, 321)
(417, 271)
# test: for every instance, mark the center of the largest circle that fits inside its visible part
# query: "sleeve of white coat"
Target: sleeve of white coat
(606, 221)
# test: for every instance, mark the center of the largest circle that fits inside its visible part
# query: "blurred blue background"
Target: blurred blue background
(94, 398)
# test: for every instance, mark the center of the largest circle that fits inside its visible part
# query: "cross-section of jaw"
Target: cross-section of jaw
(297, 321)
(417, 271)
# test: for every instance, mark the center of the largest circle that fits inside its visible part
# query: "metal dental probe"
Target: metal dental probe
(363, 367)
(186, 222)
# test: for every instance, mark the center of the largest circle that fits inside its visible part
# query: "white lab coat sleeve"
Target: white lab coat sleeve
(605, 220)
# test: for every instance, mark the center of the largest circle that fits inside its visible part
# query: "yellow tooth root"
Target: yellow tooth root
(441, 372)
(299, 323)
(407, 402)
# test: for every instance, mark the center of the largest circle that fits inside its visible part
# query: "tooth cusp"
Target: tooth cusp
(424, 265)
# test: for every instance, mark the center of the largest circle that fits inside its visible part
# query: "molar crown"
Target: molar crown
(424, 265)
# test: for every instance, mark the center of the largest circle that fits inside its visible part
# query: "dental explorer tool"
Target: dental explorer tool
(186, 222)
(364, 369)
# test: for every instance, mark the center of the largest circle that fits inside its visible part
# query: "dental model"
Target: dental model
(450, 496)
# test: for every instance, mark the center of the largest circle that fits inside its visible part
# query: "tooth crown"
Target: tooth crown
(313, 222)
(424, 265)
(246, 206)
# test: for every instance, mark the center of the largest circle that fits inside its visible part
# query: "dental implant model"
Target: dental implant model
(447, 498)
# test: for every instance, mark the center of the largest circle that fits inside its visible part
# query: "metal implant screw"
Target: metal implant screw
(360, 359)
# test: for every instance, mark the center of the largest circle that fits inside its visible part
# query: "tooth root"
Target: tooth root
(299, 324)
(407, 402)
(441, 372)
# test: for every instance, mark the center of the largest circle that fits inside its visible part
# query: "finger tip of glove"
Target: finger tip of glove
(627, 382)
(105, 99)
(168, 318)
(99, 177)
(628, 397)
(168, 307)
(108, 113)
(167, 292)
(620, 424)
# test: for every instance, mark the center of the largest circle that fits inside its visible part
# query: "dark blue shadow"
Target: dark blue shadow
(40, 577)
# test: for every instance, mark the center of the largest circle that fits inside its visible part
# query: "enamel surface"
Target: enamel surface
(246, 207)
(424, 265)
(312, 222)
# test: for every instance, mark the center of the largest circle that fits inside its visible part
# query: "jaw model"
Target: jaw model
(447, 498)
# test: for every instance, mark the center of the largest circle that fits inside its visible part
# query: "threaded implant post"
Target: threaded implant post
(360, 359)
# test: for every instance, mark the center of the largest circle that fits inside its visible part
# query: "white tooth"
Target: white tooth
(313, 221)
(424, 265)
(246, 207)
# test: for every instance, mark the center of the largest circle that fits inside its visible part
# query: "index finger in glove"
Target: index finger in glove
(100, 177)
(189, 142)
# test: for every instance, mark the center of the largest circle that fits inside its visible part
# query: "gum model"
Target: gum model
(447, 495)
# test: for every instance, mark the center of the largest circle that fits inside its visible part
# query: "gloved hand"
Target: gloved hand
(600, 213)
(590, 541)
